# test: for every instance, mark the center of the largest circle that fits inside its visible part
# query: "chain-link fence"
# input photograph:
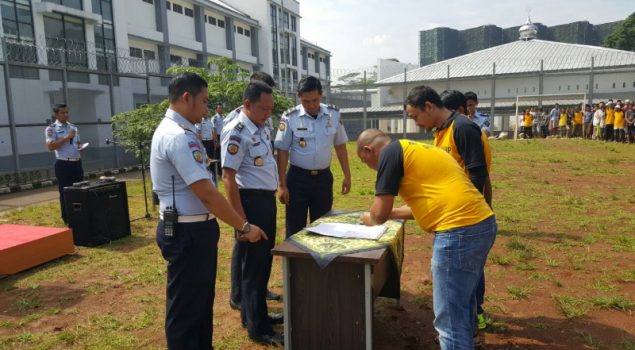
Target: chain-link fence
(94, 83)
(373, 96)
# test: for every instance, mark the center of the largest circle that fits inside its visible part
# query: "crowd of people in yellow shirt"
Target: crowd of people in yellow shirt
(605, 121)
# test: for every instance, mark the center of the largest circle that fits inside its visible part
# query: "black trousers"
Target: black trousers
(307, 193)
(67, 173)
(609, 133)
(191, 255)
(253, 261)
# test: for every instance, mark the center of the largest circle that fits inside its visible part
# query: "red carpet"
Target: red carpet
(23, 247)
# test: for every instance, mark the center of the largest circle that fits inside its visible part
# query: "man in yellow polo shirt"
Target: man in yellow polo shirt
(618, 124)
(577, 123)
(443, 201)
(609, 122)
(459, 137)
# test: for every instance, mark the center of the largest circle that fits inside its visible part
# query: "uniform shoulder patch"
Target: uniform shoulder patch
(232, 148)
(197, 155)
(333, 107)
(239, 127)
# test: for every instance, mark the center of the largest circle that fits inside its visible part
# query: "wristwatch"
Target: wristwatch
(245, 230)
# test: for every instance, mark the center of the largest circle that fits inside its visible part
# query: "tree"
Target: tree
(226, 82)
(623, 37)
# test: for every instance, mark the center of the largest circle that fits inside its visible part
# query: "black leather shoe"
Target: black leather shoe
(276, 318)
(233, 305)
(273, 339)
(272, 296)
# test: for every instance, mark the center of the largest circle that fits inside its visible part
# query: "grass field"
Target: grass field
(560, 276)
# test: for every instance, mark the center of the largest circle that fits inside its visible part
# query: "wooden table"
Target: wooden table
(331, 308)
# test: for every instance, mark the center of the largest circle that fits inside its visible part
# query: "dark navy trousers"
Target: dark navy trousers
(310, 192)
(192, 257)
(67, 172)
(251, 262)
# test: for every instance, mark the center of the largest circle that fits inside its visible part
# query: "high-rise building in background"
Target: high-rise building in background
(441, 43)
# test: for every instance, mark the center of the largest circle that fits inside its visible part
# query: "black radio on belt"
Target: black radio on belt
(170, 217)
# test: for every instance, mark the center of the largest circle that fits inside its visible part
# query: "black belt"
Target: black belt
(257, 192)
(309, 172)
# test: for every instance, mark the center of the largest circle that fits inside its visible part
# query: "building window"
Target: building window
(293, 23)
(577, 87)
(247, 33)
(177, 8)
(221, 23)
(189, 12)
(274, 16)
(596, 85)
(175, 59)
(149, 54)
(533, 89)
(168, 5)
(624, 85)
(151, 2)
(285, 20)
(240, 30)
(136, 52)
(76, 4)
(211, 20)
(17, 24)
(613, 85)
(65, 36)
(509, 91)
(104, 36)
(294, 51)
(559, 88)
(586, 87)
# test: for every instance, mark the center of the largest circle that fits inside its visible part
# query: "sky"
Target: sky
(358, 32)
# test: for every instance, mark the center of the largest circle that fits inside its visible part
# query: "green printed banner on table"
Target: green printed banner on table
(324, 248)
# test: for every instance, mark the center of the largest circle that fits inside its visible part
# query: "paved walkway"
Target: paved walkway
(47, 194)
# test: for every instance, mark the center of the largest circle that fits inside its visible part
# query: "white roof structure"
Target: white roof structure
(522, 56)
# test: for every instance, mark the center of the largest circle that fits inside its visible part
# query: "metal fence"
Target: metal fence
(94, 83)
(365, 103)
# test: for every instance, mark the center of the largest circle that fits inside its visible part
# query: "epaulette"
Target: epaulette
(291, 110)
(333, 107)
(185, 128)
(484, 115)
(52, 125)
(239, 127)
(238, 109)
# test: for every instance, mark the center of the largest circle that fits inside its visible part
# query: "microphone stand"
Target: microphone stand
(143, 174)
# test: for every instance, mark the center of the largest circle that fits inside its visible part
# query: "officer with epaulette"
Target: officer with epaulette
(306, 134)
(187, 232)
(250, 176)
(481, 119)
(236, 278)
(205, 131)
(217, 123)
(63, 138)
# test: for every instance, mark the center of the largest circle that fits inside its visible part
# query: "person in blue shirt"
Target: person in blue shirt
(217, 123)
(306, 136)
(481, 119)
(62, 137)
(250, 177)
(182, 180)
(236, 270)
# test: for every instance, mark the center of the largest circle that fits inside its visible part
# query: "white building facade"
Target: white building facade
(102, 57)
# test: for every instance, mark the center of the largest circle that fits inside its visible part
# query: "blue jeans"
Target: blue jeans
(458, 258)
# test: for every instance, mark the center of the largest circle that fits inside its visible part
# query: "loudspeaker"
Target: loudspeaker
(97, 213)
